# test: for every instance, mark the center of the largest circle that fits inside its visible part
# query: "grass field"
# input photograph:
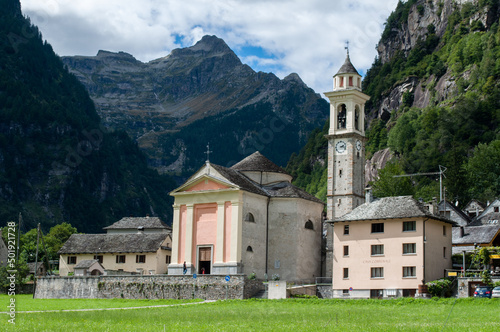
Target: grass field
(257, 315)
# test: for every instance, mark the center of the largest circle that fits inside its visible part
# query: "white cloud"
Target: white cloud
(306, 37)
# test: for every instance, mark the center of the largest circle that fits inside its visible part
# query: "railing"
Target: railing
(323, 281)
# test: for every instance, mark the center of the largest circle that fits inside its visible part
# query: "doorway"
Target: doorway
(205, 260)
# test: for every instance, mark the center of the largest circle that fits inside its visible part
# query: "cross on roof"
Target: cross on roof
(347, 46)
(208, 152)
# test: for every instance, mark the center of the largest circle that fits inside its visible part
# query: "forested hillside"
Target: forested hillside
(435, 100)
(57, 163)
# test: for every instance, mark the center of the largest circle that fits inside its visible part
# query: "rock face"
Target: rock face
(422, 15)
(153, 101)
(376, 163)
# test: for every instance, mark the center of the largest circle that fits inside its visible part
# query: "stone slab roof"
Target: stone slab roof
(113, 243)
(391, 208)
(135, 222)
(257, 162)
(86, 264)
(347, 67)
(475, 234)
(286, 189)
(239, 179)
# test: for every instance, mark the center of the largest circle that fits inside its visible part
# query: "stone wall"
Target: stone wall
(209, 287)
(324, 291)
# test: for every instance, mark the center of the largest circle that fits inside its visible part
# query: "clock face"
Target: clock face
(340, 147)
(358, 145)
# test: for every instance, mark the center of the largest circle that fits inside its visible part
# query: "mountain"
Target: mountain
(175, 105)
(57, 161)
(435, 100)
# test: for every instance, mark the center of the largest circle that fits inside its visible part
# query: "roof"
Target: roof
(113, 243)
(286, 189)
(239, 179)
(391, 208)
(347, 67)
(475, 234)
(86, 264)
(135, 222)
(257, 162)
(445, 205)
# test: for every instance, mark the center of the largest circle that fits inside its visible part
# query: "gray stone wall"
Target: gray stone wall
(209, 287)
(324, 291)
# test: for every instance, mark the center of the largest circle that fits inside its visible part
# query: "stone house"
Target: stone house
(90, 267)
(388, 247)
(131, 245)
(134, 253)
(452, 212)
(248, 218)
(474, 208)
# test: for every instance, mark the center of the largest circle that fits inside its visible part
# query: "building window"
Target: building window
(376, 293)
(345, 292)
(350, 80)
(140, 258)
(356, 118)
(409, 248)
(377, 272)
(250, 249)
(120, 259)
(409, 271)
(444, 252)
(309, 225)
(249, 217)
(346, 229)
(346, 250)
(346, 273)
(71, 260)
(340, 173)
(341, 81)
(168, 259)
(377, 249)
(444, 230)
(409, 226)
(99, 258)
(378, 227)
(341, 117)
(496, 208)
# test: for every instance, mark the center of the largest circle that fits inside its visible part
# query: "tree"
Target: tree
(57, 236)
(483, 171)
(387, 185)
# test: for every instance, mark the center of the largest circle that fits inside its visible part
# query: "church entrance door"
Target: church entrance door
(205, 260)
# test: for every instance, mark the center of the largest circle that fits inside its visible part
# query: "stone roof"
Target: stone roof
(239, 179)
(286, 189)
(136, 222)
(86, 264)
(113, 243)
(391, 208)
(257, 162)
(475, 234)
(347, 67)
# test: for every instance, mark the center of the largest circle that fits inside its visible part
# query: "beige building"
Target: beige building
(248, 218)
(387, 248)
(131, 246)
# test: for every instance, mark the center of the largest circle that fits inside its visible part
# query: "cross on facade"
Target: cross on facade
(208, 152)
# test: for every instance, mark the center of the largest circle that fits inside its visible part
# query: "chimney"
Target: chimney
(462, 231)
(368, 195)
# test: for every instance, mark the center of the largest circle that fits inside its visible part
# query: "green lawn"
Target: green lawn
(260, 315)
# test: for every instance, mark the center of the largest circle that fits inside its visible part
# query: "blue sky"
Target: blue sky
(280, 36)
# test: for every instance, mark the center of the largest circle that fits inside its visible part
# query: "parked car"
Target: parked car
(495, 292)
(483, 291)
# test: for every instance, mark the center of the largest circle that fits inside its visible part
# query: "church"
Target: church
(246, 219)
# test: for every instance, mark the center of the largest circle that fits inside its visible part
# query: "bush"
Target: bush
(440, 287)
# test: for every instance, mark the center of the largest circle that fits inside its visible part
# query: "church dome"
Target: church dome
(347, 67)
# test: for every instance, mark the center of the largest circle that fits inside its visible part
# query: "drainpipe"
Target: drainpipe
(425, 240)
(267, 234)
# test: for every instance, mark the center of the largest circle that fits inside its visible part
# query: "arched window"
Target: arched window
(341, 117)
(309, 225)
(249, 248)
(249, 217)
(356, 117)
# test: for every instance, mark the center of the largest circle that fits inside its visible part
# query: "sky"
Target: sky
(307, 37)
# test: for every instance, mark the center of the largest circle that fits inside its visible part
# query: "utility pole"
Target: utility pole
(442, 169)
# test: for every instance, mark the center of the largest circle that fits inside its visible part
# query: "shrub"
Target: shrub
(440, 287)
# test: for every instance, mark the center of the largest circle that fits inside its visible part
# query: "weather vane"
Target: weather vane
(347, 46)
(208, 152)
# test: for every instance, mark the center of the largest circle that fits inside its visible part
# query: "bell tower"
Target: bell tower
(346, 148)
(346, 142)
